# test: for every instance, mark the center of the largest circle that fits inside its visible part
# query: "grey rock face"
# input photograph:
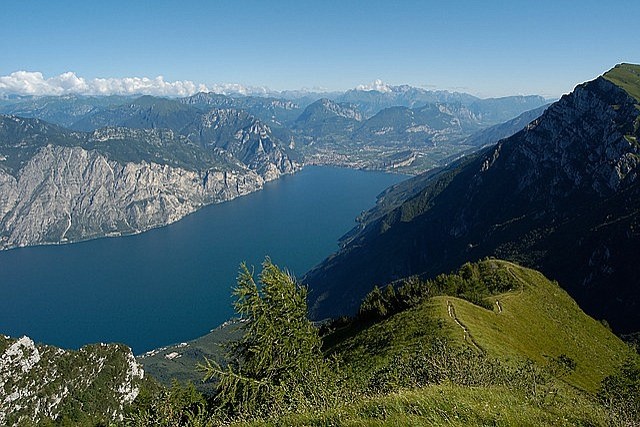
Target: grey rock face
(245, 138)
(39, 381)
(67, 194)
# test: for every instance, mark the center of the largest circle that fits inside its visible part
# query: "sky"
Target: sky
(486, 48)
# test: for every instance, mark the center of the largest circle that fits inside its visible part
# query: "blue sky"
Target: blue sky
(488, 48)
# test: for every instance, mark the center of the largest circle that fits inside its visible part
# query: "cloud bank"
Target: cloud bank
(377, 85)
(34, 83)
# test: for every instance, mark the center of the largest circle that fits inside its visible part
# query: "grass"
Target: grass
(536, 321)
(518, 383)
(448, 405)
(366, 348)
(539, 321)
(627, 76)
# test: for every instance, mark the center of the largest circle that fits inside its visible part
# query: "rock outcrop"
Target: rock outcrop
(58, 187)
(39, 382)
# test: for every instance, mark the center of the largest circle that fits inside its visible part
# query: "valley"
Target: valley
(445, 289)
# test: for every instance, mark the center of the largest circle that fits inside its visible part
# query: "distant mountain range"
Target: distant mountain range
(73, 167)
(561, 195)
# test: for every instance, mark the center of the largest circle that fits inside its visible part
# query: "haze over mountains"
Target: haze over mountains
(76, 167)
(561, 195)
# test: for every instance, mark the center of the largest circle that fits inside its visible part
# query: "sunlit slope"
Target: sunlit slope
(536, 320)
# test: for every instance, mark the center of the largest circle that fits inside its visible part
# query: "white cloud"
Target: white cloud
(377, 85)
(34, 83)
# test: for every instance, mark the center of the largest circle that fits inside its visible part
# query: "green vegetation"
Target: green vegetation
(627, 76)
(165, 368)
(620, 393)
(90, 386)
(419, 353)
(277, 365)
(473, 282)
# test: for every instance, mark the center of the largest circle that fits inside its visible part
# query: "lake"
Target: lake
(173, 284)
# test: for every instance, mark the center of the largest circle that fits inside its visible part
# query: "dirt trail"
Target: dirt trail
(510, 293)
(467, 335)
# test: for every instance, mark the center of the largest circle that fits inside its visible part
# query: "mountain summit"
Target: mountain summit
(561, 195)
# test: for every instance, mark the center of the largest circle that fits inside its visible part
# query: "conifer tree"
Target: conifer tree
(277, 365)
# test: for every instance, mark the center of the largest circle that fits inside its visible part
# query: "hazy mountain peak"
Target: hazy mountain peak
(377, 85)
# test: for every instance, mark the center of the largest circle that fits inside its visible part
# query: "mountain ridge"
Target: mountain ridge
(473, 210)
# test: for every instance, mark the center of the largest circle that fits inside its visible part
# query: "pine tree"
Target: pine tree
(277, 365)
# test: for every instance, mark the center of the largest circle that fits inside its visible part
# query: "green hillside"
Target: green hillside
(421, 353)
(450, 405)
(627, 76)
(536, 320)
(500, 366)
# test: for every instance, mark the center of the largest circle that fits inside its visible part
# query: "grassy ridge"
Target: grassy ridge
(627, 76)
(539, 321)
(447, 361)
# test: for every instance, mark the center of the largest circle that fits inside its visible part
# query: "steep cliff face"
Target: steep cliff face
(58, 187)
(246, 139)
(67, 194)
(37, 382)
(239, 133)
(562, 195)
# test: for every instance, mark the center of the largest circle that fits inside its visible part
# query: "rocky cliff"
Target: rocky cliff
(562, 195)
(38, 382)
(246, 139)
(111, 182)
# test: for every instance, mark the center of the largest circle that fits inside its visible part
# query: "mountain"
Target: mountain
(61, 110)
(495, 133)
(61, 186)
(370, 99)
(323, 128)
(95, 384)
(430, 124)
(373, 98)
(561, 195)
(235, 131)
(246, 139)
(146, 112)
(498, 110)
(398, 138)
(274, 111)
(326, 118)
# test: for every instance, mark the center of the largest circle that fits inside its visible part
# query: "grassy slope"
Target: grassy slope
(446, 405)
(627, 76)
(365, 349)
(539, 321)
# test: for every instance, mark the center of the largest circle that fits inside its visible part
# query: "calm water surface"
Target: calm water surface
(173, 284)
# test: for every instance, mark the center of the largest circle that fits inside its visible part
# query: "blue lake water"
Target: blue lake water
(173, 284)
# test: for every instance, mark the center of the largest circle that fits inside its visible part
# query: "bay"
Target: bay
(173, 284)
